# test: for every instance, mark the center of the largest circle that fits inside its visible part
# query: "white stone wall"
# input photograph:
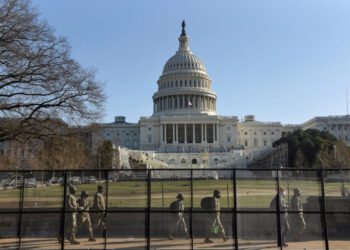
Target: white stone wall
(125, 135)
(338, 126)
(258, 135)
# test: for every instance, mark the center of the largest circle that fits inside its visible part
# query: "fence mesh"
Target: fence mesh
(134, 209)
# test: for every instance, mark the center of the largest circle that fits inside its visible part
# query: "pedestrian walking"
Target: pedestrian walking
(213, 219)
(84, 216)
(177, 216)
(98, 207)
(72, 209)
(297, 219)
(284, 216)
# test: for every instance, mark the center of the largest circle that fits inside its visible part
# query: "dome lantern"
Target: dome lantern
(183, 39)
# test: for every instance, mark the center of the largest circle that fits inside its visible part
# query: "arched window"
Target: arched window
(194, 161)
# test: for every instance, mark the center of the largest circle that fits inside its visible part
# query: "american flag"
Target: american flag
(190, 104)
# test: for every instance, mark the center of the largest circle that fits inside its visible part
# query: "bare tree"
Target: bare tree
(41, 87)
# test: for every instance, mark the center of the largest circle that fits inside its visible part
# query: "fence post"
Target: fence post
(106, 208)
(279, 240)
(191, 210)
(20, 216)
(61, 236)
(323, 209)
(234, 226)
(148, 222)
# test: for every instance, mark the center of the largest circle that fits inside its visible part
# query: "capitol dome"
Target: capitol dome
(184, 60)
(184, 86)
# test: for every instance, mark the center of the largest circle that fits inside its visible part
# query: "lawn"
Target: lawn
(250, 193)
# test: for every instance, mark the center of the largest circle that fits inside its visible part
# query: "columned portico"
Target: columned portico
(189, 133)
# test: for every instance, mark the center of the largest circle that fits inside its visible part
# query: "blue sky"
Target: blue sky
(282, 61)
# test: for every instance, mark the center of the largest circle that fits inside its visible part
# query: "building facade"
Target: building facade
(185, 124)
(184, 115)
(338, 126)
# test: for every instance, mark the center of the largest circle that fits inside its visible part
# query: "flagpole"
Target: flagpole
(347, 102)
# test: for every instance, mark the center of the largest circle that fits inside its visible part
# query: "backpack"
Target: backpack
(174, 206)
(273, 203)
(208, 203)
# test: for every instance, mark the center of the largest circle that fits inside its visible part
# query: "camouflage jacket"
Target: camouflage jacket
(84, 203)
(99, 202)
(71, 203)
(296, 204)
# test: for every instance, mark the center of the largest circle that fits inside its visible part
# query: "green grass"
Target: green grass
(250, 193)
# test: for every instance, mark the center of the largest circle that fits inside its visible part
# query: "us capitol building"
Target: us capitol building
(185, 128)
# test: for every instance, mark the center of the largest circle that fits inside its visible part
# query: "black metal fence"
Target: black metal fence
(137, 213)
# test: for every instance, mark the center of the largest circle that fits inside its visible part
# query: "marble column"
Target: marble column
(173, 133)
(162, 134)
(177, 132)
(194, 133)
(165, 134)
(202, 133)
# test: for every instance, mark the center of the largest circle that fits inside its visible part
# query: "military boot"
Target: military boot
(60, 239)
(92, 239)
(208, 241)
(74, 242)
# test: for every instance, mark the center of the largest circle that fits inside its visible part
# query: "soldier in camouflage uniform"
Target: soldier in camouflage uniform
(177, 218)
(297, 219)
(99, 206)
(83, 215)
(284, 216)
(72, 208)
(214, 219)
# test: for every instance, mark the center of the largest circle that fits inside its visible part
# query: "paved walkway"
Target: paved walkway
(162, 243)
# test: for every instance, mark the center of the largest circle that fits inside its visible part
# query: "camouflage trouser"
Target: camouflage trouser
(298, 225)
(85, 219)
(175, 222)
(212, 221)
(99, 219)
(71, 225)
